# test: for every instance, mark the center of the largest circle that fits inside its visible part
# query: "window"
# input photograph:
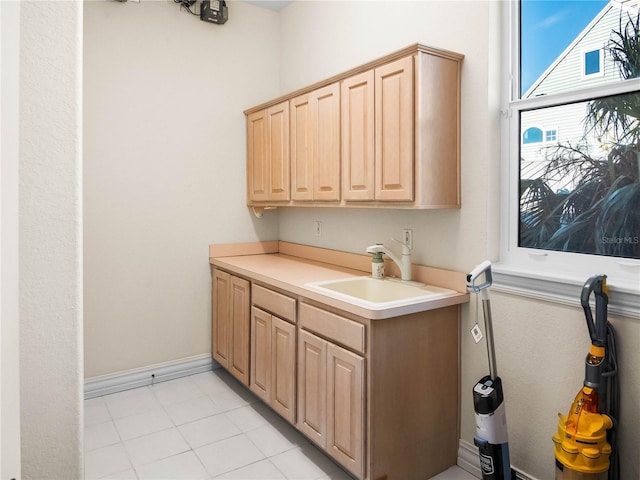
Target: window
(574, 184)
(592, 62)
(551, 135)
(532, 135)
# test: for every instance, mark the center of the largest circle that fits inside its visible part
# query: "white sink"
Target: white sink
(378, 294)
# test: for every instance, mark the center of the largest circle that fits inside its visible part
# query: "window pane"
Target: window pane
(532, 135)
(554, 37)
(592, 62)
(551, 136)
(582, 193)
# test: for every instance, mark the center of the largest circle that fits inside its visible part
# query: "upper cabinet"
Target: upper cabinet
(268, 174)
(385, 134)
(315, 145)
(377, 133)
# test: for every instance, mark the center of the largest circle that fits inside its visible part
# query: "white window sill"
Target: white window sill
(563, 289)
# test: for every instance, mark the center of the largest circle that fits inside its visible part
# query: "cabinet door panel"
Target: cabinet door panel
(257, 163)
(239, 333)
(221, 324)
(394, 119)
(312, 387)
(283, 371)
(260, 353)
(301, 149)
(345, 411)
(357, 106)
(278, 151)
(325, 111)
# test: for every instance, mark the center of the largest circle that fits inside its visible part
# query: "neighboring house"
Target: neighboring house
(586, 62)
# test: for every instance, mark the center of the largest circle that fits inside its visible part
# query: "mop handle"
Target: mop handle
(488, 326)
(479, 281)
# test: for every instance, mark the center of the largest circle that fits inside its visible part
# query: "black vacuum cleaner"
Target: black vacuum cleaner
(488, 397)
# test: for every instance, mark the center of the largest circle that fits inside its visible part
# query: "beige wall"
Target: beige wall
(164, 170)
(164, 177)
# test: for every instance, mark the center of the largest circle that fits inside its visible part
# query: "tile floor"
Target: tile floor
(205, 426)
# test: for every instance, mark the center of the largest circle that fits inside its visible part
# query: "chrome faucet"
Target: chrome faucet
(404, 262)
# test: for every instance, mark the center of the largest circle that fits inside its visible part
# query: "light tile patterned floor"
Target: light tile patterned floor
(202, 427)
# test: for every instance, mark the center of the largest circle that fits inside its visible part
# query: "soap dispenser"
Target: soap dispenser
(377, 266)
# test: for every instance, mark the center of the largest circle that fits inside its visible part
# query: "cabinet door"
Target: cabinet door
(257, 161)
(301, 149)
(325, 112)
(312, 387)
(239, 340)
(345, 409)
(315, 145)
(357, 106)
(394, 124)
(283, 370)
(261, 353)
(278, 151)
(221, 318)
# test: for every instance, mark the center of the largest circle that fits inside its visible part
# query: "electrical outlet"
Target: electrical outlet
(407, 237)
(318, 228)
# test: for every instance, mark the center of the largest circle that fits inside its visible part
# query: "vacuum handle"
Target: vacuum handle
(596, 284)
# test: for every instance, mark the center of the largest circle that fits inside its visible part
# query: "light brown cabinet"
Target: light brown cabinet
(394, 127)
(315, 145)
(358, 140)
(331, 399)
(394, 130)
(273, 351)
(312, 387)
(268, 173)
(230, 323)
(379, 396)
(378, 133)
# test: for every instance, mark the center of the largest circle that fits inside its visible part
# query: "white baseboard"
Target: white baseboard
(468, 458)
(139, 377)
(469, 461)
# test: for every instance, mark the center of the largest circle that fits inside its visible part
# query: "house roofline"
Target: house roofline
(572, 45)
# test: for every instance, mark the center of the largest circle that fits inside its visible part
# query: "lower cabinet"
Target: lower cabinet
(273, 350)
(381, 397)
(331, 399)
(230, 323)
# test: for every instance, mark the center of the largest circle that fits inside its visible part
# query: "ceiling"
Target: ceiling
(275, 5)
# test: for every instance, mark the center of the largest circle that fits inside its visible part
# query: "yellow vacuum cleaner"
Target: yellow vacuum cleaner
(585, 445)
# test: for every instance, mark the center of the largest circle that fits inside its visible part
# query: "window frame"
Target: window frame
(583, 62)
(547, 274)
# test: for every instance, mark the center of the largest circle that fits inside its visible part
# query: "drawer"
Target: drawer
(332, 326)
(274, 302)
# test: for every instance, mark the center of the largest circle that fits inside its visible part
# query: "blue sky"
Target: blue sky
(548, 27)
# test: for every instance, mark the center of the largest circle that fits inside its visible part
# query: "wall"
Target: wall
(50, 259)
(9, 241)
(164, 174)
(382, 28)
(164, 177)
(540, 346)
